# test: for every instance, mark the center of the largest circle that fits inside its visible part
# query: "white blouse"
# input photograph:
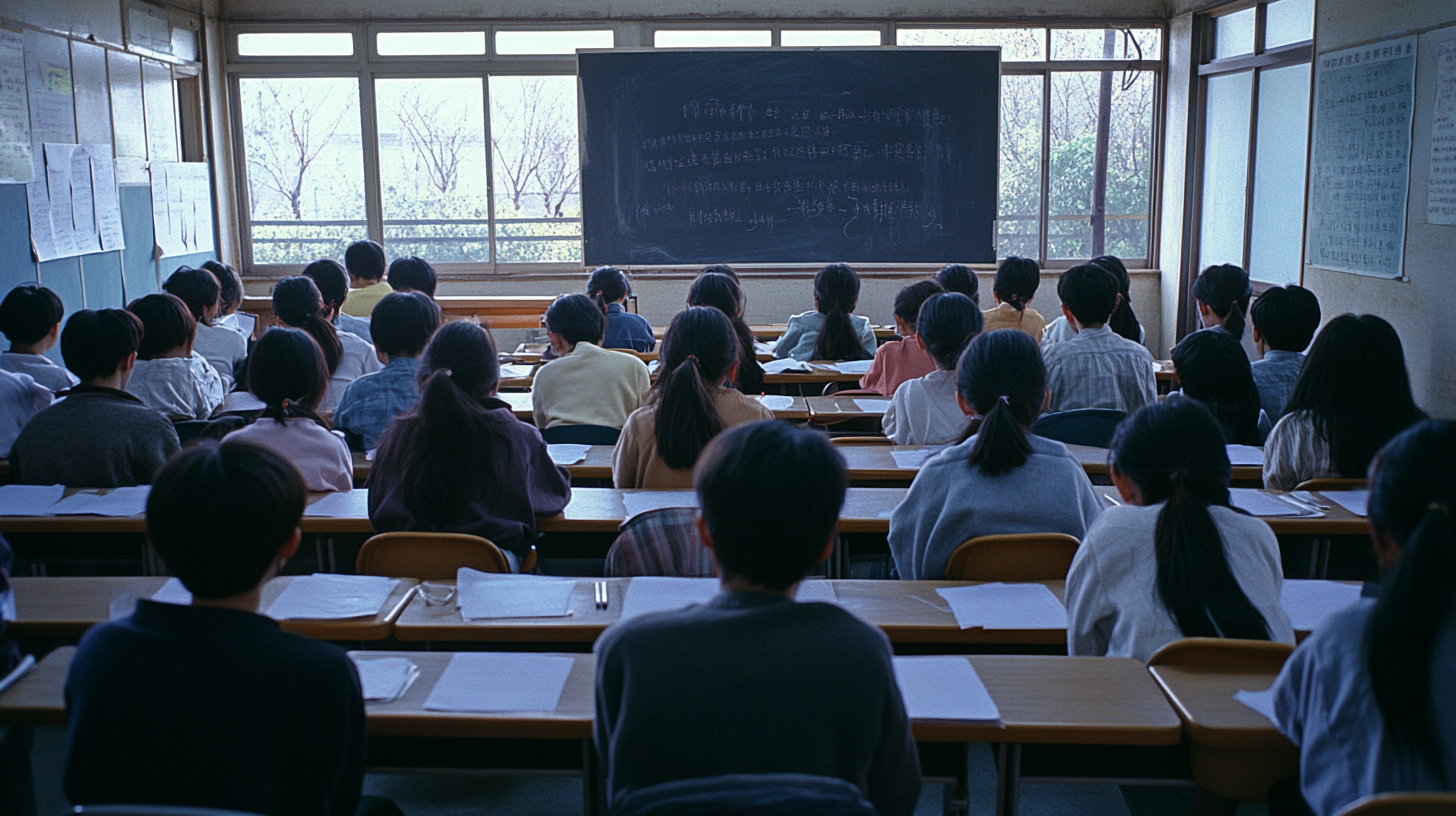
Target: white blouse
(320, 455)
(1295, 452)
(179, 387)
(924, 411)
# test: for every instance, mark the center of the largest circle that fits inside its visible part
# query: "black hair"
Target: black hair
(404, 326)
(1355, 386)
(230, 285)
(836, 292)
(29, 313)
(1286, 316)
(414, 274)
(719, 269)
(197, 288)
(960, 278)
(331, 279)
(365, 260)
(219, 514)
(166, 324)
(946, 323)
(448, 451)
(297, 303)
(794, 483)
(1089, 292)
(698, 350)
(1174, 452)
(94, 343)
(1002, 376)
(606, 285)
(1412, 490)
(910, 298)
(723, 293)
(1214, 369)
(286, 365)
(577, 319)
(1123, 320)
(1017, 279)
(1226, 290)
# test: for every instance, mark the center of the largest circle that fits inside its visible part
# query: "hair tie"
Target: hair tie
(447, 372)
(693, 358)
(1004, 400)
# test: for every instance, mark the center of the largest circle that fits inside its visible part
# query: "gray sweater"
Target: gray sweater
(95, 437)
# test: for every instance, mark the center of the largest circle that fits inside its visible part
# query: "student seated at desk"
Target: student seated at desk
(586, 384)
(689, 404)
(1095, 368)
(1370, 697)
(1174, 561)
(609, 287)
(1000, 478)
(364, 261)
(99, 435)
(412, 274)
(1222, 293)
(752, 682)
(298, 303)
(21, 398)
(286, 372)
(1285, 319)
(924, 411)
(230, 297)
(460, 461)
(1123, 321)
(1213, 369)
(961, 279)
(831, 331)
(1017, 280)
(403, 323)
(1353, 395)
(224, 349)
(898, 361)
(722, 292)
(169, 376)
(30, 318)
(332, 282)
(212, 705)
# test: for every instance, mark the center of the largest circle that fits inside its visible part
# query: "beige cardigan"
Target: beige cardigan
(635, 462)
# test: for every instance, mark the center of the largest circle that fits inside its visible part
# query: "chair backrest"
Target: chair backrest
(1403, 804)
(747, 795)
(661, 542)
(428, 556)
(1253, 654)
(1013, 557)
(191, 429)
(1084, 426)
(581, 435)
(861, 440)
(1331, 483)
(154, 810)
(847, 389)
(644, 356)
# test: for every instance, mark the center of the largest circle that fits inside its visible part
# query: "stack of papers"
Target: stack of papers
(484, 595)
(786, 364)
(860, 367)
(644, 500)
(813, 590)
(1005, 606)
(1258, 503)
(1309, 603)
(515, 371)
(385, 679)
(652, 367)
(349, 504)
(567, 454)
(872, 406)
(500, 682)
(1356, 501)
(119, 501)
(29, 500)
(173, 592)
(1245, 455)
(944, 688)
(776, 402)
(324, 596)
(657, 594)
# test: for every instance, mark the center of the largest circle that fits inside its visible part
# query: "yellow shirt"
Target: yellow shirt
(590, 385)
(1005, 316)
(360, 302)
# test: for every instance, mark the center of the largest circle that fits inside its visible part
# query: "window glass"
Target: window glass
(1288, 21)
(1017, 44)
(1279, 163)
(1225, 169)
(1233, 34)
(1109, 43)
(552, 42)
(711, 38)
(430, 43)
(537, 174)
(807, 36)
(297, 44)
(1018, 225)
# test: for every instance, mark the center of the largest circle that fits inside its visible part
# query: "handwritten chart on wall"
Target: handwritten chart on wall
(1360, 164)
(181, 208)
(857, 155)
(73, 204)
(1441, 191)
(15, 159)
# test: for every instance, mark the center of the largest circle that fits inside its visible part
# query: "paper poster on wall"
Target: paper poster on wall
(74, 208)
(58, 188)
(1441, 190)
(83, 201)
(181, 208)
(16, 162)
(108, 207)
(1360, 162)
(48, 91)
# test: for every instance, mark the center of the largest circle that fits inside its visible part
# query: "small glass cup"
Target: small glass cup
(436, 594)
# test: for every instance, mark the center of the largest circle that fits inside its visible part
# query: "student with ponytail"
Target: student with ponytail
(1222, 293)
(298, 303)
(722, 292)
(690, 403)
(999, 478)
(460, 461)
(924, 411)
(831, 331)
(1016, 282)
(333, 285)
(1123, 322)
(609, 287)
(1175, 560)
(1368, 698)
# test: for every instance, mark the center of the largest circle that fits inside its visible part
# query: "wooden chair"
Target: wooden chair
(1331, 483)
(1403, 804)
(1260, 655)
(1014, 557)
(860, 440)
(433, 556)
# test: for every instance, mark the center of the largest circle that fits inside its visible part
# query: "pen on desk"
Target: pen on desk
(601, 594)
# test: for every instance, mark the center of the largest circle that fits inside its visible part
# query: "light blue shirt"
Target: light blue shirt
(802, 335)
(357, 326)
(1275, 376)
(371, 402)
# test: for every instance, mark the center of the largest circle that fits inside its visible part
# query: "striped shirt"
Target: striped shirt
(1295, 452)
(1097, 369)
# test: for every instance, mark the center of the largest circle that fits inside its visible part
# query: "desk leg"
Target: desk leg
(838, 564)
(1008, 779)
(593, 781)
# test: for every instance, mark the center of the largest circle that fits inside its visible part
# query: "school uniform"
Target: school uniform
(952, 501)
(802, 335)
(1006, 316)
(357, 326)
(1060, 330)
(1113, 606)
(925, 411)
(358, 358)
(361, 302)
(40, 368)
(1324, 704)
(1295, 452)
(230, 322)
(753, 683)
(218, 708)
(895, 362)
(635, 462)
(95, 437)
(590, 385)
(371, 402)
(223, 348)
(21, 398)
(1098, 369)
(1275, 376)
(321, 456)
(180, 388)
(627, 331)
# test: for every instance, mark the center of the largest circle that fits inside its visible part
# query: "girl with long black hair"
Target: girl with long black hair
(832, 331)
(721, 291)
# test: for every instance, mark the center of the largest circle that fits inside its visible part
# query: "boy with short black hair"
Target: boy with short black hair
(752, 682)
(30, 318)
(1095, 368)
(585, 384)
(169, 376)
(365, 262)
(1285, 320)
(211, 705)
(224, 349)
(899, 360)
(413, 274)
(403, 323)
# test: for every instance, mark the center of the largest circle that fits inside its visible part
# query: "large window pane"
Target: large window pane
(1225, 169)
(1233, 34)
(1279, 162)
(537, 174)
(432, 168)
(1017, 44)
(1018, 228)
(797, 37)
(1098, 43)
(297, 44)
(430, 43)
(1288, 21)
(711, 38)
(552, 42)
(301, 137)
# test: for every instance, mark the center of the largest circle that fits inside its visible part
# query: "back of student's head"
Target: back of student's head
(29, 313)
(577, 319)
(198, 288)
(1123, 320)
(1214, 369)
(1016, 281)
(219, 514)
(365, 260)
(230, 285)
(1225, 289)
(770, 495)
(1089, 292)
(1412, 491)
(412, 273)
(698, 351)
(910, 298)
(1174, 452)
(166, 322)
(946, 323)
(286, 371)
(720, 269)
(836, 291)
(722, 292)
(297, 303)
(1356, 389)
(331, 279)
(1003, 378)
(607, 284)
(94, 343)
(960, 278)
(405, 324)
(1286, 316)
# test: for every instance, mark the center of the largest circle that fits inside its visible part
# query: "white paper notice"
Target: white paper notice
(484, 595)
(16, 161)
(29, 500)
(83, 201)
(912, 459)
(944, 688)
(813, 590)
(567, 454)
(873, 406)
(108, 208)
(173, 592)
(58, 193)
(1245, 455)
(119, 501)
(500, 682)
(1356, 501)
(515, 371)
(658, 594)
(1005, 606)
(350, 504)
(384, 679)
(331, 597)
(181, 208)
(1309, 603)
(1258, 503)
(38, 205)
(784, 365)
(776, 402)
(645, 500)
(860, 367)
(1260, 701)
(1441, 191)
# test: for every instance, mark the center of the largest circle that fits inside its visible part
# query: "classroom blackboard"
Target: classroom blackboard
(778, 156)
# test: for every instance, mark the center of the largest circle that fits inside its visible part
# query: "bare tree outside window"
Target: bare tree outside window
(534, 138)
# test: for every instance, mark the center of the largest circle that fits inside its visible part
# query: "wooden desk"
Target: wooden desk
(821, 375)
(498, 312)
(520, 402)
(1094, 461)
(834, 409)
(773, 331)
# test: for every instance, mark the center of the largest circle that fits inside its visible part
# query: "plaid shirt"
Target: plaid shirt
(1097, 369)
(372, 401)
(661, 542)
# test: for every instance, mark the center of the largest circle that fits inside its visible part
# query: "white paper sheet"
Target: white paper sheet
(1260, 701)
(29, 500)
(108, 207)
(246, 323)
(384, 679)
(912, 459)
(567, 454)
(872, 406)
(83, 201)
(1356, 501)
(484, 595)
(323, 596)
(944, 688)
(652, 367)
(651, 593)
(16, 162)
(58, 194)
(1005, 606)
(119, 501)
(500, 682)
(350, 504)
(173, 592)
(860, 367)
(815, 590)
(1309, 602)
(1258, 503)
(776, 402)
(1441, 187)
(786, 364)
(1245, 455)
(642, 501)
(38, 206)
(516, 371)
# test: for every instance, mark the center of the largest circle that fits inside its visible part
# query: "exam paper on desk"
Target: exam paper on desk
(944, 688)
(117, 502)
(500, 682)
(324, 596)
(650, 593)
(29, 500)
(1310, 602)
(1005, 606)
(485, 595)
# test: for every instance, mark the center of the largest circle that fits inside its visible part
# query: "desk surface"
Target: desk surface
(837, 408)
(520, 402)
(1203, 696)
